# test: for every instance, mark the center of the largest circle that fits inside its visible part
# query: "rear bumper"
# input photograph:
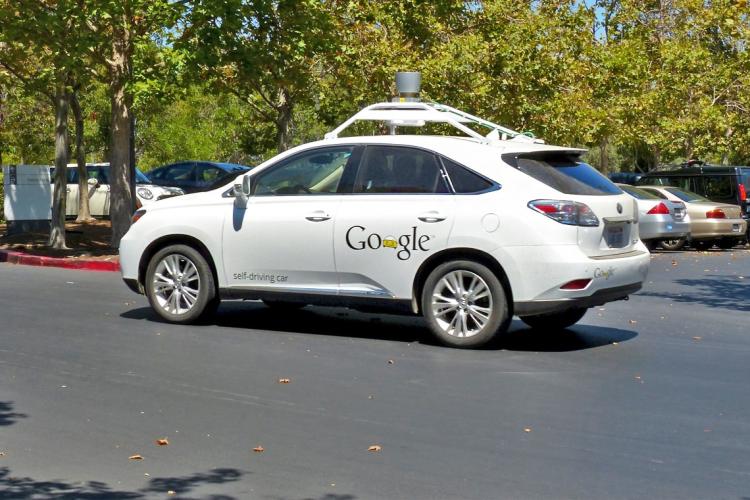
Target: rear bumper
(598, 298)
(717, 228)
(536, 274)
(662, 227)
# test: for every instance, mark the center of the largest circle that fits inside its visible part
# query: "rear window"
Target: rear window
(565, 173)
(639, 194)
(686, 195)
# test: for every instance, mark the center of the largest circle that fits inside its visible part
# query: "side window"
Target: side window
(655, 192)
(464, 180)
(394, 169)
(206, 174)
(719, 187)
(72, 176)
(312, 172)
(180, 172)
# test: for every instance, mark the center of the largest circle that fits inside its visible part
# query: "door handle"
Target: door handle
(318, 216)
(432, 217)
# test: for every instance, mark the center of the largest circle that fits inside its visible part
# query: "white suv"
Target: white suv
(464, 231)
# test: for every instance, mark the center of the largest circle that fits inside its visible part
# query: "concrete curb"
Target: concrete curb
(13, 257)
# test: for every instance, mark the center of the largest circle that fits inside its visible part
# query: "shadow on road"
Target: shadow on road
(22, 488)
(713, 291)
(353, 324)
(7, 415)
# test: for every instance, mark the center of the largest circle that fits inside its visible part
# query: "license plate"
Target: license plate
(615, 236)
(735, 228)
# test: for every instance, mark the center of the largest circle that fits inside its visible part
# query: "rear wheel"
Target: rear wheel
(555, 321)
(673, 244)
(179, 284)
(728, 243)
(703, 244)
(465, 304)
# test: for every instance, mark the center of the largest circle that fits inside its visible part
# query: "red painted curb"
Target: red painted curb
(12, 257)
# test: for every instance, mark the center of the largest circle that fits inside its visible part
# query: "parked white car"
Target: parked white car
(99, 190)
(466, 231)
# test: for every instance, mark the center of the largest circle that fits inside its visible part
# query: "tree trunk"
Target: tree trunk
(604, 155)
(284, 109)
(57, 226)
(84, 213)
(121, 205)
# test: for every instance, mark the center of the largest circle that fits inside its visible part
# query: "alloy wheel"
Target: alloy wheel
(176, 284)
(461, 303)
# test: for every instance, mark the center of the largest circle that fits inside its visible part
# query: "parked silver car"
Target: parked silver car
(659, 219)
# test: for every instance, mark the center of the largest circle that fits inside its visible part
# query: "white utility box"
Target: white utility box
(27, 198)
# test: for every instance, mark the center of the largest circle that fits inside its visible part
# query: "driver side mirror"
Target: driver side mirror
(242, 191)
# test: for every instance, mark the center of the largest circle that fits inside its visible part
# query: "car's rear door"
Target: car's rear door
(400, 212)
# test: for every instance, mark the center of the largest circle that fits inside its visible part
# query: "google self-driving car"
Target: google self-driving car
(465, 231)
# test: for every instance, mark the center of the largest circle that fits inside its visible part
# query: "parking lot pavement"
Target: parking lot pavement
(643, 399)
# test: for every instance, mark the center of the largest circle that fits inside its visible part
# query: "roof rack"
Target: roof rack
(417, 114)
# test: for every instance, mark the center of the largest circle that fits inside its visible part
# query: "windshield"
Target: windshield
(687, 196)
(638, 194)
(140, 177)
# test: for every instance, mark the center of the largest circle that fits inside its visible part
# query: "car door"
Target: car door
(283, 240)
(71, 193)
(400, 213)
(98, 193)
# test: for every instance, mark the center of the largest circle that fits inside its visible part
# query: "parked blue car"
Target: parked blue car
(194, 176)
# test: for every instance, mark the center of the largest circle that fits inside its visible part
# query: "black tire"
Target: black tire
(555, 321)
(283, 304)
(206, 299)
(703, 244)
(728, 243)
(487, 327)
(673, 245)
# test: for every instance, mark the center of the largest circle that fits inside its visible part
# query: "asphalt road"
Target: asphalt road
(648, 398)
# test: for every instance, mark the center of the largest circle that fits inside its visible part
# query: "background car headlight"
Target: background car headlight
(175, 191)
(146, 194)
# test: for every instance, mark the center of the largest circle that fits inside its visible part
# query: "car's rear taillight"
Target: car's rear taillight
(660, 209)
(572, 213)
(716, 214)
(137, 215)
(743, 193)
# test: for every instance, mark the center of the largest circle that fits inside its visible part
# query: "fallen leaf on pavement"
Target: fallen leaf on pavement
(284, 381)
(390, 361)
(674, 262)
(632, 322)
(697, 338)
(527, 429)
(259, 449)
(375, 447)
(171, 493)
(135, 457)
(162, 442)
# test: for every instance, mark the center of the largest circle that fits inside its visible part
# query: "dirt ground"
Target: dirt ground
(85, 240)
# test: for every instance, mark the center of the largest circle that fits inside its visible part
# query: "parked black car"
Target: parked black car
(625, 177)
(720, 183)
(193, 176)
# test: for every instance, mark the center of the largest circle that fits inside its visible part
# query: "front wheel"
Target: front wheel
(555, 321)
(179, 284)
(465, 304)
